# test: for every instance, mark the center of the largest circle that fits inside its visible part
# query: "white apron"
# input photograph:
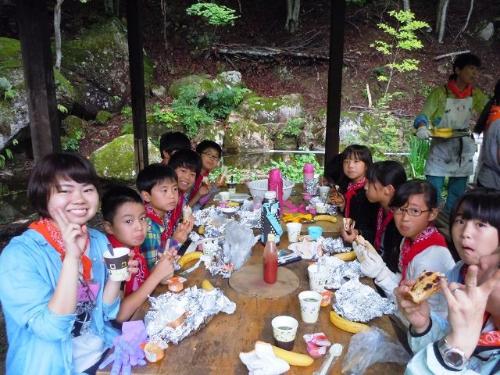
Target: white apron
(453, 157)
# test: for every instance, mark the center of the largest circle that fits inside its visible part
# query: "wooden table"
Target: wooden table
(215, 349)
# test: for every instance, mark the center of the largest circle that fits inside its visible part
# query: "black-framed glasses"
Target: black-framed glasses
(210, 156)
(415, 212)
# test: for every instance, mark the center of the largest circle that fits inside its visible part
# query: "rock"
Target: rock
(285, 142)
(201, 84)
(14, 112)
(103, 133)
(232, 78)
(272, 110)
(487, 31)
(214, 132)
(108, 165)
(103, 117)
(96, 62)
(243, 134)
(159, 91)
(72, 123)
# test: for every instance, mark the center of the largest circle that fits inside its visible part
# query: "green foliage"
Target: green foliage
(127, 128)
(164, 116)
(294, 126)
(419, 150)
(220, 103)
(61, 108)
(7, 155)
(6, 89)
(213, 14)
(71, 142)
(292, 169)
(401, 38)
(126, 111)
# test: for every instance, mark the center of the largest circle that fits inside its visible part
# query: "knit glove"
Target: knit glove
(423, 132)
(371, 263)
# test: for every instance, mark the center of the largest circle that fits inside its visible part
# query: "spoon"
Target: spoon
(110, 248)
(334, 352)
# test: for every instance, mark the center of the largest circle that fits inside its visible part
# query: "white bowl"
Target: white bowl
(258, 188)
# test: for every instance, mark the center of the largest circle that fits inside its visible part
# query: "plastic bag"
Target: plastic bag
(361, 355)
(238, 243)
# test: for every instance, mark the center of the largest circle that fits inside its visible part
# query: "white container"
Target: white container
(117, 264)
(309, 306)
(317, 280)
(258, 188)
(293, 231)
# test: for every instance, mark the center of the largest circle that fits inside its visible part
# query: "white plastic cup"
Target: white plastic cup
(317, 280)
(117, 264)
(225, 196)
(320, 208)
(293, 230)
(309, 306)
(323, 192)
(284, 331)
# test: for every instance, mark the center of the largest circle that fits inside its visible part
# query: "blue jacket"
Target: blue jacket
(40, 341)
(425, 361)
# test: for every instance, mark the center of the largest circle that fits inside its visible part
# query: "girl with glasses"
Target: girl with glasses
(423, 248)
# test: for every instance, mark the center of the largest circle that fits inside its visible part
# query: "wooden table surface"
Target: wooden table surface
(215, 349)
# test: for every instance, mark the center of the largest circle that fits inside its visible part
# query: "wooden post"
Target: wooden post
(136, 63)
(38, 76)
(332, 140)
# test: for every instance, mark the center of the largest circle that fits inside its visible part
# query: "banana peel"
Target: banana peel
(293, 358)
(207, 285)
(330, 218)
(347, 325)
(188, 258)
(346, 257)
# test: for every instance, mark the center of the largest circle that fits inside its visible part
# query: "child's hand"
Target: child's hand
(74, 235)
(348, 236)
(133, 265)
(466, 306)
(164, 268)
(183, 229)
(204, 190)
(417, 314)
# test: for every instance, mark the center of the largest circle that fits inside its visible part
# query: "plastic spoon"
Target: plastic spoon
(110, 248)
(334, 352)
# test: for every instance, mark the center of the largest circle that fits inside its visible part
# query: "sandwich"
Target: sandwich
(425, 286)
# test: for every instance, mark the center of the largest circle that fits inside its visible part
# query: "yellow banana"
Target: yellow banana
(347, 325)
(330, 218)
(346, 257)
(188, 258)
(293, 358)
(207, 285)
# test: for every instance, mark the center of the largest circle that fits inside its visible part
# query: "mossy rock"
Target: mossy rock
(103, 117)
(285, 142)
(201, 83)
(10, 55)
(243, 134)
(97, 62)
(273, 109)
(72, 124)
(213, 132)
(108, 165)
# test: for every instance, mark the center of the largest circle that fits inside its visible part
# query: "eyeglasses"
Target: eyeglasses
(410, 211)
(212, 157)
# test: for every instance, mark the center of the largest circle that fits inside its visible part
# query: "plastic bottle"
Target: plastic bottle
(309, 181)
(270, 218)
(275, 183)
(270, 260)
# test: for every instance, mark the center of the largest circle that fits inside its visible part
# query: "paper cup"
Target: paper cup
(293, 230)
(320, 208)
(117, 264)
(317, 280)
(284, 331)
(309, 306)
(323, 192)
(224, 195)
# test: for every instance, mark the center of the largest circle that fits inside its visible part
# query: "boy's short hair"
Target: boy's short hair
(465, 59)
(171, 142)
(49, 169)
(206, 144)
(114, 197)
(152, 175)
(188, 159)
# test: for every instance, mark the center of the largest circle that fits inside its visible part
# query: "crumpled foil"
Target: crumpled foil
(335, 246)
(250, 218)
(343, 273)
(360, 303)
(199, 305)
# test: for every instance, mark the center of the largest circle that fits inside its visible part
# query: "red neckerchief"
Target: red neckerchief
(138, 279)
(459, 94)
(352, 190)
(428, 237)
(169, 221)
(494, 115)
(49, 230)
(197, 184)
(382, 223)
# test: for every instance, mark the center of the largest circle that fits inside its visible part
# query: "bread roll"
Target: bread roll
(425, 286)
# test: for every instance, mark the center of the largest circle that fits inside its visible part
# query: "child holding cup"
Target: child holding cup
(55, 291)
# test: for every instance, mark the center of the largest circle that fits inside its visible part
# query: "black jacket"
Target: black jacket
(391, 246)
(365, 215)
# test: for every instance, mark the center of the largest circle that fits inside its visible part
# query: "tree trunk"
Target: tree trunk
(406, 5)
(467, 20)
(292, 15)
(441, 24)
(57, 32)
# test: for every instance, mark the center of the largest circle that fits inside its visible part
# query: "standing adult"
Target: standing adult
(452, 106)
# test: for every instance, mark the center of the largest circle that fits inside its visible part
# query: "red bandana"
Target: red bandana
(494, 115)
(49, 230)
(490, 339)
(382, 223)
(169, 222)
(459, 94)
(428, 237)
(352, 190)
(138, 279)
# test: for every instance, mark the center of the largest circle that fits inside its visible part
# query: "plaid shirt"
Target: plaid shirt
(152, 242)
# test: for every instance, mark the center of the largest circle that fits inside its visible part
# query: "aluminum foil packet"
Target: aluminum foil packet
(192, 309)
(360, 303)
(335, 246)
(343, 273)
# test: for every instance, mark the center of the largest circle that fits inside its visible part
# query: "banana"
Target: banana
(346, 257)
(187, 258)
(201, 229)
(293, 358)
(207, 285)
(329, 218)
(347, 325)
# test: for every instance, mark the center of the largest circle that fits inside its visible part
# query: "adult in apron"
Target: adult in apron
(452, 106)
